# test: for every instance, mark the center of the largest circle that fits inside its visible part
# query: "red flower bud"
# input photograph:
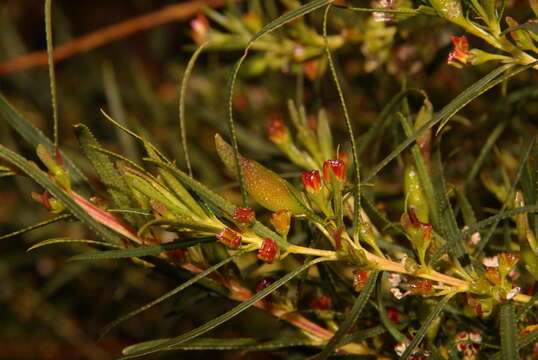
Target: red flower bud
(359, 279)
(281, 221)
(320, 303)
(337, 167)
(421, 287)
(244, 216)
(229, 238)
(200, 28)
(268, 250)
(460, 53)
(277, 129)
(312, 181)
(393, 314)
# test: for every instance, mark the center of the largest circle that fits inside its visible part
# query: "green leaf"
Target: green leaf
(483, 224)
(349, 128)
(109, 175)
(245, 344)
(530, 26)
(527, 306)
(485, 149)
(35, 137)
(527, 150)
(37, 226)
(183, 91)
(492, 79)
(383, 316)
(219, 202)
(43, 179)
(424, 327)
(52, 76)
(508, 330)
(70, 241)
(449, 226)
(422, 170)
(151, 348)
(173, 292)
(522, 341)
(353, 316)
(273, 25)
(141, 251)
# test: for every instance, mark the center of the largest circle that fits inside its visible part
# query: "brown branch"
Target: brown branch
(108, 34)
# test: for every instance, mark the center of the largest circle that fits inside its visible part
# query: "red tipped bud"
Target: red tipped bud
(393, 314)
(507, 261)
(359, 279)
(268, 250)
(459, 55)
(336, 167)
(421, 287)
(320, 303)
(312, 181)
(281, 221)
(244, 216)
(229, 238)
(200, 28)
(278, 132)
(492, 275)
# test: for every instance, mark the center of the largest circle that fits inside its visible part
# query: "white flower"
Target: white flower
(475, 337)
(394, 279)
(398, 294)
(400, 347)
(491, 261)
(513, 292)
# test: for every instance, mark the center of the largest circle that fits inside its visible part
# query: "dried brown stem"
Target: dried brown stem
(109, 34)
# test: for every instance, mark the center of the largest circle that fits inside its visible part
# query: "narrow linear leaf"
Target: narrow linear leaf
(182, 92)
(528, 305)
(489, 81)
(423, 173)
(508, 330)
(448, 224)
(37, 226)
(70, 241)
(218, 201)
(103, 166)
(383, 316)
(42, 179)
(173, 292)
(485, 149)
(527, 149)
(52, 75)
(349, 128)
(484, 224)
(523, 340)
(34, 136)
(425, 326)
(140, 251)
(355, 313)
(245, 344)
(273, 25)
(142, 350)
(119, 157)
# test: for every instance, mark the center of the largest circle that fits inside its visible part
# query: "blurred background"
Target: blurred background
(51, 308)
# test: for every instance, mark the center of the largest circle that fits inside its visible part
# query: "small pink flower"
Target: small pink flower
(277, 129)
(244, 216)
(312, 181)
(336, 167)
(229, 238)
(491, 261)
(398, 293)
(459, 55)
(268, 250)
(200, 28)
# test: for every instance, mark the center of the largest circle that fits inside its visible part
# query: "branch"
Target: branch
(109, 34)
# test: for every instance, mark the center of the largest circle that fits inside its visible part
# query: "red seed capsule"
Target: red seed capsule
(312, 181)
(268, 250)
(320, 303)
(277, 129)
(244, 216)
(337, 167)
(229, 238)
